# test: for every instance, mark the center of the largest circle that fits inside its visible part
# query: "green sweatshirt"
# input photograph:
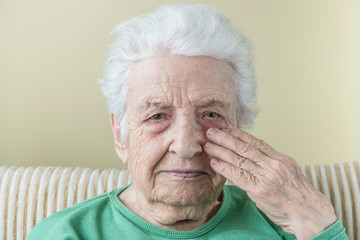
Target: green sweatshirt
(105, 217)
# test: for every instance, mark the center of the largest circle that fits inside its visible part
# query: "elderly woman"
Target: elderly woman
(180, 86)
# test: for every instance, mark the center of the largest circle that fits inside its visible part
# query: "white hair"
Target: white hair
(189, 30)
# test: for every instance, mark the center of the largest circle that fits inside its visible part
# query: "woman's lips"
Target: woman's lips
(185, 174)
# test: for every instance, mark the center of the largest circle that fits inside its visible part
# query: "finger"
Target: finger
(252, 140)
(240, 177)
(234, 144)
(261, 145)
(230, 157)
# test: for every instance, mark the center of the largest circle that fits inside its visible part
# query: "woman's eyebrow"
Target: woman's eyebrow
(153, 104)
(147, 104)
(215, 103)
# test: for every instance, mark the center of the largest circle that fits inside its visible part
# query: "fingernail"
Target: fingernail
(209, 145)
(212, 131)
(226, 130)
(213, 162)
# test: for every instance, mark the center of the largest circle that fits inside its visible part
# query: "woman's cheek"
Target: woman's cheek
(153, 127)
(218, 123)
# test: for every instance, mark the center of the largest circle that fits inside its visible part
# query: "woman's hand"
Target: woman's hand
(272, 180)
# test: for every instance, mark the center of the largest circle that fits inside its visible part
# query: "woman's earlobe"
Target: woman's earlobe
(120, 148)
(122, 152)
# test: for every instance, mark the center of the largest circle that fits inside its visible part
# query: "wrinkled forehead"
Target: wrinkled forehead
(189, 77)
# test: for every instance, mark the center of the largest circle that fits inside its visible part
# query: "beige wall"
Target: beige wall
(356, 80)
(52, 52)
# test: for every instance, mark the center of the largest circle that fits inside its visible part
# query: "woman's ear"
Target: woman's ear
(121, 148)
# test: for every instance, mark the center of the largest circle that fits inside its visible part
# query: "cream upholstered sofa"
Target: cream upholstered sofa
(29, 194)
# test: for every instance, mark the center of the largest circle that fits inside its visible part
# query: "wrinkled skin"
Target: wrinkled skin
(174, 104)
(272, 180)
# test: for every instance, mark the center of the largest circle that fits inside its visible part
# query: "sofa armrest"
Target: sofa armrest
(340, 184)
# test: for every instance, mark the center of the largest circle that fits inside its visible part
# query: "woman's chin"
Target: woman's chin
(187, 193)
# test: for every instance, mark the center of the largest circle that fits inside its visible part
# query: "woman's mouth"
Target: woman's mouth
(185, 174)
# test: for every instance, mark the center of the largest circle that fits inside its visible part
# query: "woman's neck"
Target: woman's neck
(179, 218)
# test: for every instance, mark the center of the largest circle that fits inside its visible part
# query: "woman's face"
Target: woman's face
(171, 103)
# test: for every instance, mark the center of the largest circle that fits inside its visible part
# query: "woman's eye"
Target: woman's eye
(211, 115)
(157, 116)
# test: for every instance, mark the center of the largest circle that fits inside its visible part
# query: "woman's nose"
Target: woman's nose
(188, 139)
